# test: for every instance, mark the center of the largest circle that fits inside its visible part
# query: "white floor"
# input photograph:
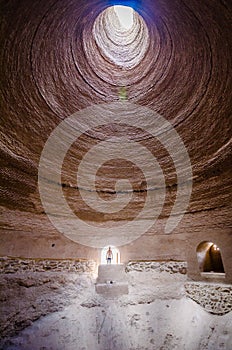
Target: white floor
(154, 315)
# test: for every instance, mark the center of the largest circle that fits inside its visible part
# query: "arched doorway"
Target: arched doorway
(209, 257)
(116, 255)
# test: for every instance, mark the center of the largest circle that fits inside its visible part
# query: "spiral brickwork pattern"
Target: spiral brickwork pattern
(58, 58)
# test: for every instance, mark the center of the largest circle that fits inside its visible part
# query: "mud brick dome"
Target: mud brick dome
(116, 176)
(64, 57)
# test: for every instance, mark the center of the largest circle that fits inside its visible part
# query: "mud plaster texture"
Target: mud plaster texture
(52, 66)
(60, 310)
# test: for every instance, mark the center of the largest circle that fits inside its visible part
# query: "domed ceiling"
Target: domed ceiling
(168, 74)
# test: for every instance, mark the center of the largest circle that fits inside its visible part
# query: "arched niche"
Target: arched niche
(116, 255)
(209, 258)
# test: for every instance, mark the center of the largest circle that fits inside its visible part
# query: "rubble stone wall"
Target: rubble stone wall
(159, 266)
(214, 298)
(13, 265)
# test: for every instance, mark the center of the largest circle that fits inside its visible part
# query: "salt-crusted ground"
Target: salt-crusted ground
(154, 315)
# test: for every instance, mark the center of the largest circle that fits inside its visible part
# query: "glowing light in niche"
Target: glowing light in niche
(125, 15)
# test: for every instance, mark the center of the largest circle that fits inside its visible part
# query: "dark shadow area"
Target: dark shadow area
(209, 258)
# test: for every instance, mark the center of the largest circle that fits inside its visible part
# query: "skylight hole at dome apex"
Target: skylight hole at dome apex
(121, 35)
(125, 16)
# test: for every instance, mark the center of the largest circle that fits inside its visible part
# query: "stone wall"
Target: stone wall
(13, 265)
(214, 298)
(159, 266)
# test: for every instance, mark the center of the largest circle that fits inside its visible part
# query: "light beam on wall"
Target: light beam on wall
(125, 16)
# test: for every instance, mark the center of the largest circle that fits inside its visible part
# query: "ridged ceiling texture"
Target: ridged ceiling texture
(61, 57)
